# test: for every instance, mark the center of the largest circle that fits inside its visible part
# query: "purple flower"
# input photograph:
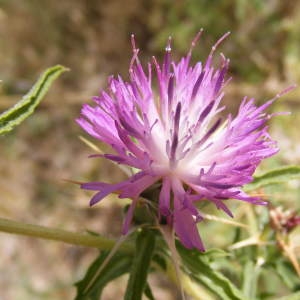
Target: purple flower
(177, 137)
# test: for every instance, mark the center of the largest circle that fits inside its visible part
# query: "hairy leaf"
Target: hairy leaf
(12, 117)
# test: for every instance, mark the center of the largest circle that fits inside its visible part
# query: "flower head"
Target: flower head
(178, 138)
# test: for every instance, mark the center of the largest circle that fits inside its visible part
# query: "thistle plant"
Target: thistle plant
(184, 155)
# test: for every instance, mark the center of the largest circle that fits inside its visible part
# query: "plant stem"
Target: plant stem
(74, 238)
(94, 241)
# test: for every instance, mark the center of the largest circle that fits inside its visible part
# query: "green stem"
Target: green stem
(74, 238)
(87, 240)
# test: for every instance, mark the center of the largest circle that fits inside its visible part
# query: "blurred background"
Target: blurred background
(92, 38)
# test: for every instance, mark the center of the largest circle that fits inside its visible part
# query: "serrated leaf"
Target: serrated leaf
(145, 245)
(279, 175)
(118, 265)
(199, 268)
(12, 117)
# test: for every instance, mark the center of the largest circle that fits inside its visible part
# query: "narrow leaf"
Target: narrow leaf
(279, 175)
(199, 268)
(25, 107)
(287, 274)
(145, 244)
(118, 265)
(250, 277)
(148, 292)
(160, 261)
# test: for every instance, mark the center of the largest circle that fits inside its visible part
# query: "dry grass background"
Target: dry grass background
(92, 39)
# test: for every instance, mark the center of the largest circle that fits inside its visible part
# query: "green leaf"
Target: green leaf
(287, 274)
(215, 253)
(12, 117)
(280, 175)
(145, 245)
(148, 292)
(160, 261)
(250, 277)
(199, 268)
(91, 287)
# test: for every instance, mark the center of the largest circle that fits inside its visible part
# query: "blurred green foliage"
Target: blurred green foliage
(265, 34)
(93, 36)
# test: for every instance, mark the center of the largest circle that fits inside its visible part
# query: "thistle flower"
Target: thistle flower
(178, 138)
